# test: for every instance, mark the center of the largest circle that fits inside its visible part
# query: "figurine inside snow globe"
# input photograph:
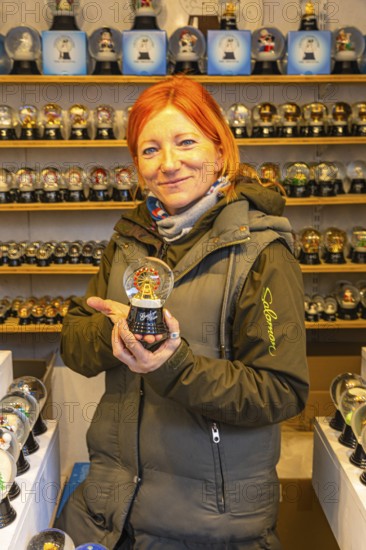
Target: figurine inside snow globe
(238, 117)
(264, 120)
(23, 45)
(348, 46)
(268, 47)
(340, 116)
(187, 47)
(334, 242)
(348, 298)
(105, 48)
(289, 120)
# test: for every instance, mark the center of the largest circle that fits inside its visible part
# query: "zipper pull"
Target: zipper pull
(215, 433)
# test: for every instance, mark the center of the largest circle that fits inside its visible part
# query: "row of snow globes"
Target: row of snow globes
(264, 120)
(347, 302)
(52, 123)
(186, 46)
(35, 311)
(291, 120)
(348, 393)
(74, 184)
(42, 254)
(331, 247)
(20, 423)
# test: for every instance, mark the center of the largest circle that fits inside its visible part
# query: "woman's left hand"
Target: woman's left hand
(129, 350)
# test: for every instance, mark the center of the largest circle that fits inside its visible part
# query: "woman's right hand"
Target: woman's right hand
(114, 310)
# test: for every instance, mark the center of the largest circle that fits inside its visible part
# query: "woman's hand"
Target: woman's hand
(128, 349)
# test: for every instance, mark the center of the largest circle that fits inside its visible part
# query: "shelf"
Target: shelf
(79, 206)
(67, 269)
(300, 141)
(348, 267)
(203, 79)
(322, 201)
(11, 326)
(62, 143)
(247, 142)
(86, 269)
(339, 324)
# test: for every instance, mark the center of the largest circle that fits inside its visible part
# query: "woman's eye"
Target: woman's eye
(149, 151)
(187, 142)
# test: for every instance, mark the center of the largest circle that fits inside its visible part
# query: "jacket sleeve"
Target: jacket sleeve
(86, 334)
(267, 380)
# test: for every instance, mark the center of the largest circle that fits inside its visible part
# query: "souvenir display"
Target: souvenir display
(349, 401)
(356, 172)
(51, 539)
(268, 47)
(44, 254)
(98, 252)
(23, 46)
(314, 116)
(269, 172)
(7, 476)
(339, 178)
(289, 120)
(75, 252)
(148, 283)
(7, 123)
(61, 253)
(26, 182)
(264, 120)
(145, 15)
(340, 116)
(359, 119)
(330, 309)
(311, 311)
(296, 178)
(358, 245)
(27, 404)
(308, 20)
(98, 180)
(123, 182)
(340, 384)
(9, 443)
(87, 252)
(358, 422)
(51, 115)
(29, 122)
(238, 117)
(5, 61)
(79, 118)
(334, 242)
(228, 17)
(74, 179)
(326, 173)
(6, 183)
(310, 240)
(15, 254)
(18, 423)
(187, 47)
(50, 181)
(64, 15)
(348, 47)
(105, 47)
(104, 120)
(348, 298)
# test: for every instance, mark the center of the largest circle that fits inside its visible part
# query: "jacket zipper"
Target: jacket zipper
(221, 492)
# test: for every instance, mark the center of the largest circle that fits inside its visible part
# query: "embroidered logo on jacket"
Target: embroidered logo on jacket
(269, 315)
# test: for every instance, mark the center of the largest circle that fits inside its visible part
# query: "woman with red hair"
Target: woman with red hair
(184, 443)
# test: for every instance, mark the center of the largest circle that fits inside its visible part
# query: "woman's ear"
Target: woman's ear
(220, 157)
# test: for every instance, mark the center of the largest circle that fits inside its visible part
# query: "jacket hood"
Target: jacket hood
(265, 199)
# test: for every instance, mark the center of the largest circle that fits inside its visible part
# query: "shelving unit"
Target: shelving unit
(129, 84)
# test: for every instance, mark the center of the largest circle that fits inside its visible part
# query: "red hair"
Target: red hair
(194, 101)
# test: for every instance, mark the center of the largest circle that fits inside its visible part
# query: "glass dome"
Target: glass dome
(268, 44)
(105, 44)
(24, 402)
(350, 400)
(23, 43)
(51, 538)
(148, 282)
(32, 385)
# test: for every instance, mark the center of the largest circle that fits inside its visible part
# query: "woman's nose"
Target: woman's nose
(170, 161)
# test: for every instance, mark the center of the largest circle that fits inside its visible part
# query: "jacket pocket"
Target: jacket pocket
(219, 475)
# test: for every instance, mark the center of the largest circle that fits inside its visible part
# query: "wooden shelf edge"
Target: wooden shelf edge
(64, 206)
(348, 267)
(62, 143)
(78, 269)
(203, 79)
(327, 201)
(336, 325)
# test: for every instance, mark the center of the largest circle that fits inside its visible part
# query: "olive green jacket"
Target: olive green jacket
(187, 453)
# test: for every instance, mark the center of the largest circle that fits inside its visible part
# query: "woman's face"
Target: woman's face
(176, 160)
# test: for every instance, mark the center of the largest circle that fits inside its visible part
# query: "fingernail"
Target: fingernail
(168, 314)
